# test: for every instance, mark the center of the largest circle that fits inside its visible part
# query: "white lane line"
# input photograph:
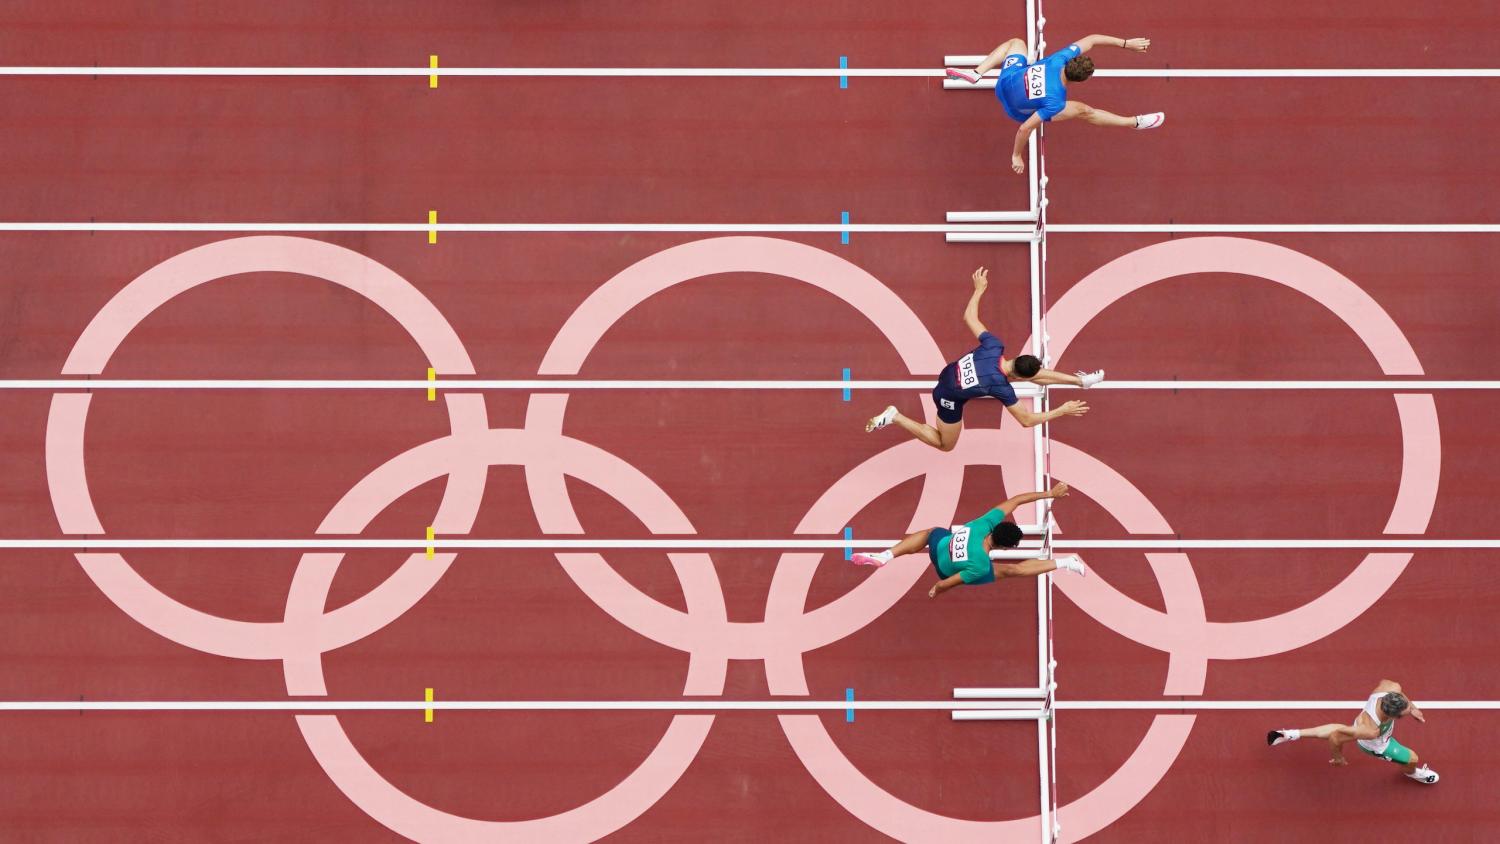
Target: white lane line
(324, 705)
(444, 544)
(1412, 544)
(957, 232)
(925, 383)
(1245, 73)
(694, 544)
(561, 383)
(1020, 232)
(1273, 228)
(747, 72)
(1223, 705)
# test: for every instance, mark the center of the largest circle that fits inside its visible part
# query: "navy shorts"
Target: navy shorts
(949, 402)
(935, 536)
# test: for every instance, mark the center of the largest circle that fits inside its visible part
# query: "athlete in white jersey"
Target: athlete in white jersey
(1372, 730)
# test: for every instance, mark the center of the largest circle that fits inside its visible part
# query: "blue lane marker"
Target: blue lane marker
(844, 220)
(849, 713)
(843, 65)
(846, 383)
(848, 543)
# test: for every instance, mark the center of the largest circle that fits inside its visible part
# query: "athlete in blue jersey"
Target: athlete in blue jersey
(985, 372)
(1036, 92)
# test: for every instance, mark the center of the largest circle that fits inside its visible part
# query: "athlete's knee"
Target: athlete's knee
(947, 445)
(1414, 761)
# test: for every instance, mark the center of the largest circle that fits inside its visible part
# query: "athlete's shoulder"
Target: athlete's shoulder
(1066, 54)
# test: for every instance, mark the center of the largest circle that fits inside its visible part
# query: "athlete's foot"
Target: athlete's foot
(1072, 564)
(1150, 121)
(968, 76)
(885, 418)
(871, 559)
(1276, 737)
(1089, 379)
(1424, 775)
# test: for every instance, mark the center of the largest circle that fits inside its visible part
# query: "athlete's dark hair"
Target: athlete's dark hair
(1027, 366)
(1079, 69)
(1006, 535)
(1393, 704)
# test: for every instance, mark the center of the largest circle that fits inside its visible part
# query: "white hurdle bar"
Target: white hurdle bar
(999, 694)
(1037, 714)
(992, 216)
(1030, 235)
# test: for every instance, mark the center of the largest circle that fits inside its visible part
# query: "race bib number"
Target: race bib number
(948, 404)
(958, 548)
(1036, 82)
(968, 376)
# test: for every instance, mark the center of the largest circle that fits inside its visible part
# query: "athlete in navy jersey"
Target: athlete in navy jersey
(1033, 93)
(985, 372)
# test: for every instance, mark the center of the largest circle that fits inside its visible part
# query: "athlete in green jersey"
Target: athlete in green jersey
(961, 555)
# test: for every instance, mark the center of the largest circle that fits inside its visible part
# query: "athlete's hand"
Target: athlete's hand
(981, 279)
(1417, 714)
(1138, 45)
(932, 593)
(1060, 490)
(1338, 761)
(1017, 164)
(1074, 408)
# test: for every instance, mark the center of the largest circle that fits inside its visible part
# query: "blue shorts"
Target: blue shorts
(949, 402)
(1015, 65)
(935, 536)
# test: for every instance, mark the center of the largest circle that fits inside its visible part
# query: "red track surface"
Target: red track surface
(512, 625)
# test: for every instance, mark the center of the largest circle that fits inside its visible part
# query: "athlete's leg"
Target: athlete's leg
(1015, 46)
(944, 437)
(1276, 737)
(913, 543)
(1029, 568)
(910, 545)
(1076, 110)
(1324, 731)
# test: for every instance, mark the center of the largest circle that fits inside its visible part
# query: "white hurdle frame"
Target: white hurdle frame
(1036, 214)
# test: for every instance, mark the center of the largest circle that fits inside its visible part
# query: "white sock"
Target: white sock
(1292, 735)
(884, 556)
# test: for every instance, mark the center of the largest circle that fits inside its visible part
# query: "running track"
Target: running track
(512, 625)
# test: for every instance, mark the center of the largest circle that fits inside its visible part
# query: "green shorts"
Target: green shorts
(1395, 751)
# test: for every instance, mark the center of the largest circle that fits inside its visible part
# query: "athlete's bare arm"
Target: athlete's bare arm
(1387, 686)
(944, 585)
(1009, 505)
(1030, 418)
(1139, 45)
(1364, 728)
(971, 312)
(1017, 163)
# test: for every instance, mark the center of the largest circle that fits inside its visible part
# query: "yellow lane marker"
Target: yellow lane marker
(431, 391)
(432, 221)
(432, 77)
(427, 713)
(430, 537)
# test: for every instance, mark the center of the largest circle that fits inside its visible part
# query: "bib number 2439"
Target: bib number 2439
(1036, 82)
